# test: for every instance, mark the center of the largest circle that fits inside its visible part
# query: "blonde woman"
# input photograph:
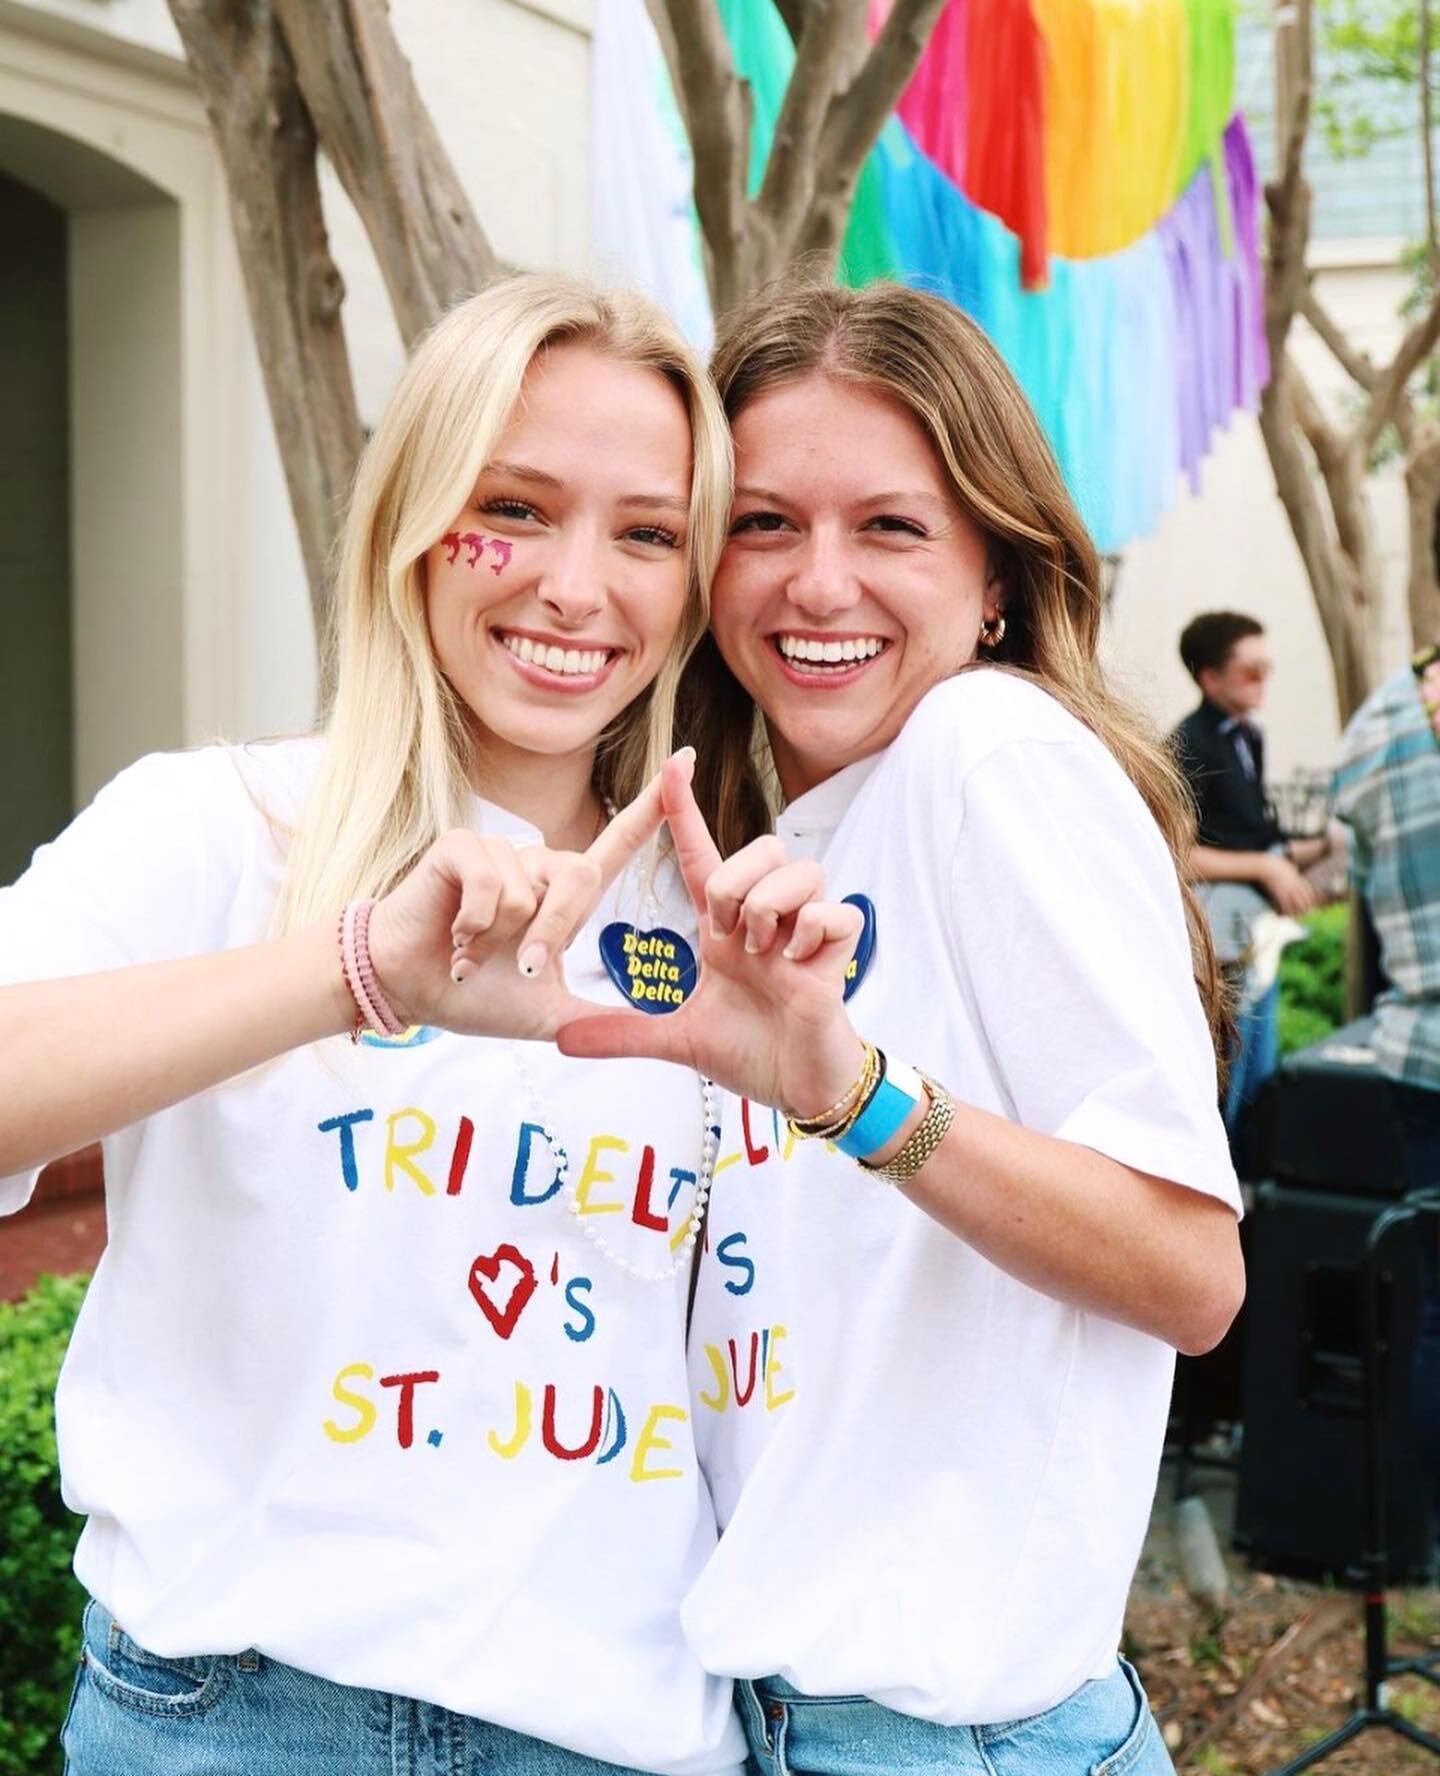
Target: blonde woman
(931, 1387)
(377, 1406)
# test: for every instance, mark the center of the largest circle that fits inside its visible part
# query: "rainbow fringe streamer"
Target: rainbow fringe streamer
(1069, 172)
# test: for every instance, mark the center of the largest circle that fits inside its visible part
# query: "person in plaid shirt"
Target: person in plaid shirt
(1387, 792)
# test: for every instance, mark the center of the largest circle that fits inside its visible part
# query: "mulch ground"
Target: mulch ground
(1241, 1691)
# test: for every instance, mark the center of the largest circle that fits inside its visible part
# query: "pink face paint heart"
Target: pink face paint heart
(500, 549)
(522, 1286)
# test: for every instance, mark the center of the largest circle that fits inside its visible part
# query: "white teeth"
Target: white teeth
(828, 653)
(564, 662)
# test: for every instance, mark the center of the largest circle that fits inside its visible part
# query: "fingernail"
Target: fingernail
(461, 972)
(752, 944)
(716, 932)
(533, 959)
(686, 755)
(788, 954)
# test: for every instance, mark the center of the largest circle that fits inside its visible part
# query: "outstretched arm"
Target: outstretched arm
(82, 1057)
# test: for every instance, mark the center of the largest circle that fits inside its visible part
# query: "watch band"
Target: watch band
(924, 1141)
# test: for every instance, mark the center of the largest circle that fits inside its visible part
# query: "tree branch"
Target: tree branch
(858, 116)
(826, 55)
(719, 108)
(1331, 574)
(267, 146)
(380, 138)
(1343, 465)
(1416, 346)
(1356, 363)
(1287, 196)
(1427, 142)
(792, 14)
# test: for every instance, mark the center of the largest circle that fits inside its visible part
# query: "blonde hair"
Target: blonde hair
(933, 360)
(396, 769)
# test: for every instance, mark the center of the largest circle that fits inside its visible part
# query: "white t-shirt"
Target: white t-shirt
(934, 1481)
(351, 1386)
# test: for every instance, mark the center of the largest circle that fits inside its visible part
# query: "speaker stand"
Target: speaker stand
(1375, 1711)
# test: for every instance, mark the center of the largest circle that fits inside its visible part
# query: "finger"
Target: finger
(632, 829)
(607, 1035)
(730, 884)
(519, 901)
(496, 900)
(572, 887)
(695, 850)
(823, 924)
(467, 861)
(776, 897)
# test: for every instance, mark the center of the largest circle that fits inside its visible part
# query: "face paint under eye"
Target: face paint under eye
(474, 544)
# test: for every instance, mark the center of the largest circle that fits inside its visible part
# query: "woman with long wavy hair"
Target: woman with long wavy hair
(376, 1408)
(947, 1271)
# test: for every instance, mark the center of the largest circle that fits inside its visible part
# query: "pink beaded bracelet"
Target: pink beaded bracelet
(371, 1004)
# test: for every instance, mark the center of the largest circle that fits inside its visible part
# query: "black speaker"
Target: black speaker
(1326, 1121)
(1300, 1506)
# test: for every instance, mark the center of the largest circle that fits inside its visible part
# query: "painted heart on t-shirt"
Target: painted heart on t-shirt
(486, 1270)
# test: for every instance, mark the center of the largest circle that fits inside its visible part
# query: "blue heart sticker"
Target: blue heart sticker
(865, 948)
(654, 970)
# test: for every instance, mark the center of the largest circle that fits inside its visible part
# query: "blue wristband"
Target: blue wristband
(899, 1091)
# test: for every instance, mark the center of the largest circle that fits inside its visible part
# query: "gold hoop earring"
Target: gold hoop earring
(992, 634)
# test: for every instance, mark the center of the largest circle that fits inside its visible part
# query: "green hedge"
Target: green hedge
(40, 1599)
(1312, 980)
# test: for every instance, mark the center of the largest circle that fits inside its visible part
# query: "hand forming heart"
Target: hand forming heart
(767, 1019)
(472, 940)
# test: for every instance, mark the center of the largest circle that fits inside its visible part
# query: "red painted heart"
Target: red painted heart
(487, 1270)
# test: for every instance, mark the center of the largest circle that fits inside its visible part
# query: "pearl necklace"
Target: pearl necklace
(709, 1143)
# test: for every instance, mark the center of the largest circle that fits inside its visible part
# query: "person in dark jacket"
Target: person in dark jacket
(1242, 859)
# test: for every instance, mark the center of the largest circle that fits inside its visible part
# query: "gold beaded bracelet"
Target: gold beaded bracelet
(929, 1133)
(845, 1112)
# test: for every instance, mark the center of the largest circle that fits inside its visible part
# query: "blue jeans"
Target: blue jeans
(1104, 1729)
(1255, 1058)
(133, 1713)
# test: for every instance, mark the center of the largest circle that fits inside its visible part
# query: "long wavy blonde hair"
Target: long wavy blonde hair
(396, 770)
(929, 357)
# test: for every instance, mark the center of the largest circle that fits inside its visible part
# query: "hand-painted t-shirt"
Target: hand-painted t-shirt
(351, 1385)
(934, 1480)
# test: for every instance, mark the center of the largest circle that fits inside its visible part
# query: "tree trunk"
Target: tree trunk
(376, 132)
(267, 145)
(1340, 599)
(840, 93)
(1422, 499)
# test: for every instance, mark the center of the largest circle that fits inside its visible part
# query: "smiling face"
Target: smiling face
(556, 593)
(851, 582)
